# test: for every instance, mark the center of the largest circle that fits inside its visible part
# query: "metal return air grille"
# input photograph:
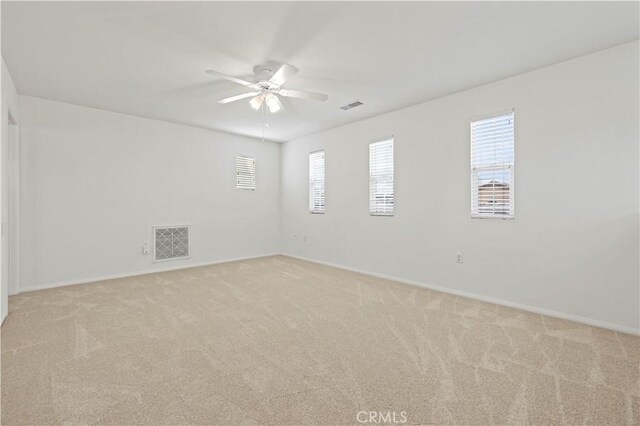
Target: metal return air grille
(171, 242)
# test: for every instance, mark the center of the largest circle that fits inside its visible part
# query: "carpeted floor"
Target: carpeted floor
(280, 341)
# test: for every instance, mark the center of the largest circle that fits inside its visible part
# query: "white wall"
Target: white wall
(95, 182)
(573, 247)
(9, 105)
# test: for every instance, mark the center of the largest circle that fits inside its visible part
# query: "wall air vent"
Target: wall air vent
(171, 242)
(351, 105)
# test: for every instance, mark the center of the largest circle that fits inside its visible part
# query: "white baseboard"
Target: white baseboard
(135, 274)
(516, 305)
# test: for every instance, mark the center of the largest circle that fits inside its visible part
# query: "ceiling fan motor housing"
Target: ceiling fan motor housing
(263, 73)
(268, 87)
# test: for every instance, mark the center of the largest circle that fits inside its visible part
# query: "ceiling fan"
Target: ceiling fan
(268, 87)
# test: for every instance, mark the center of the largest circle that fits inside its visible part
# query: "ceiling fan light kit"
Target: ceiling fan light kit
(270, 100)
(256, 102)
(268, 92)
(273, 102)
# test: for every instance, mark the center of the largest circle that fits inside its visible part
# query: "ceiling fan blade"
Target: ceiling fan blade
(237, 97)
(312, 96)
(230, 78)
(284, 73)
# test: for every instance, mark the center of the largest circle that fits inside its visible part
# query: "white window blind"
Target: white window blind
(316, 182)
(381, 178)
(245, 172)
(492, 167)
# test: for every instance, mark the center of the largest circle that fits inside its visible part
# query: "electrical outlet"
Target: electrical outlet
(458, 257)
(145, 248)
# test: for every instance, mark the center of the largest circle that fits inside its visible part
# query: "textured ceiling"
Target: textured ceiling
(148, 58)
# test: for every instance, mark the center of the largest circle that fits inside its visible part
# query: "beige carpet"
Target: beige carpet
(280, 341)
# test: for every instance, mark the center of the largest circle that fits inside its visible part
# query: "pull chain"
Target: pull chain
(264, 119)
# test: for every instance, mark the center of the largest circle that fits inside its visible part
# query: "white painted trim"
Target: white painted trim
(13, 195)
(135, 274)
(515, 305)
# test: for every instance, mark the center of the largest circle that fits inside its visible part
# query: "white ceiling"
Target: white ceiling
(148, 58)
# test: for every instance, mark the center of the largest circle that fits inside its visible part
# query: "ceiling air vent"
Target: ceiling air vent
(170, 242)
(351, 105)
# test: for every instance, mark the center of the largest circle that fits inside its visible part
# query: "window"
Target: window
(245, 172)
(492, 161)
(316, 182)
(381, 178)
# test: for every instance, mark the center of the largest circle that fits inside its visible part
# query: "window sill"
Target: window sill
(494, 217)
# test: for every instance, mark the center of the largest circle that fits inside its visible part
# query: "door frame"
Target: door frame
(12, 223)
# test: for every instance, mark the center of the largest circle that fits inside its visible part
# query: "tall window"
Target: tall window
(245, 172)
(492, 162)
(381, 178)
(316, 182)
